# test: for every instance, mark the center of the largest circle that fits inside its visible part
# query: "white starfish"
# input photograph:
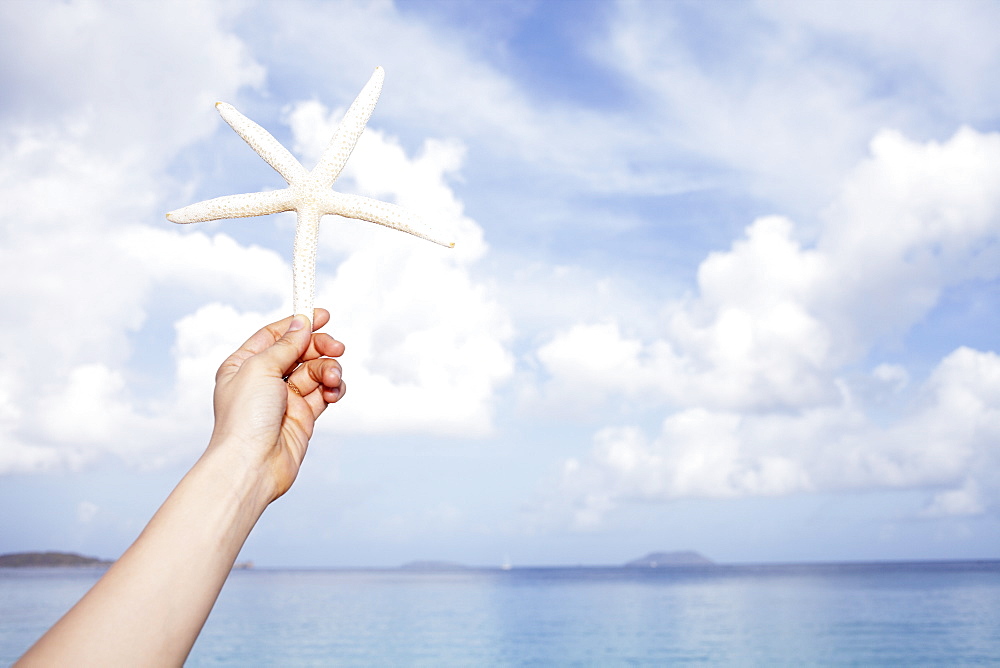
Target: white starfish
(308, 193)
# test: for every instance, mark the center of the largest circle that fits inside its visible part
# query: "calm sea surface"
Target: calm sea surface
(914, 614)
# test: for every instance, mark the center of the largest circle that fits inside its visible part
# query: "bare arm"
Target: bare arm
(150, 606)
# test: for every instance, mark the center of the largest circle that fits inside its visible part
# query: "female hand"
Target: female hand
(269, 393)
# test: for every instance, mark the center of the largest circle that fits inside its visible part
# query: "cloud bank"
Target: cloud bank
(89, 268)
(764, 368)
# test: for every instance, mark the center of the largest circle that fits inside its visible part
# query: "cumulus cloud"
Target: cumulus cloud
(82, 177)
(85, 250)
(128, 79)
(427, 343)
(945, 443)
(756, 367)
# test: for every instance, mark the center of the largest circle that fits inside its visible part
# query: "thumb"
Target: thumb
(287, 350)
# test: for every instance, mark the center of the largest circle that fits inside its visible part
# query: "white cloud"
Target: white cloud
(956, 502)
(89, 408)
(593, 356)
(894, 375)
(912, 220)
(86, 511)
(773, 322)
(781, 97)
(426, 342)
(132, 79)
(204, 340)
(756, 363)
(945, 442)
(207, 265)
(81, 172)
(79, 263)
(942, 53)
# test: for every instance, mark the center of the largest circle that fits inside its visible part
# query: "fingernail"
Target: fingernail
(297, 324)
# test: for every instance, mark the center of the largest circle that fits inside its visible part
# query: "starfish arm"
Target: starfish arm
(304, 260)
(339, 150)
(235, 206)
(382, 213)
(263, 143)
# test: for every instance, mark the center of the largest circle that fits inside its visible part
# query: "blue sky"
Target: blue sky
(727, 275)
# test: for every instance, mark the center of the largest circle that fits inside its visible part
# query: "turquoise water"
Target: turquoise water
(916, 614)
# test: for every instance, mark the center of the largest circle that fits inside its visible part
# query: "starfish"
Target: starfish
(308, 193)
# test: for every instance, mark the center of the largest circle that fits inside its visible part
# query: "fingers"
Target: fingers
(323, 345)
(334, 394)
(269, 334)
(285, 352)
(324, 374)
(316, 402)
(319, 383)
(320, 345)
(320, 317)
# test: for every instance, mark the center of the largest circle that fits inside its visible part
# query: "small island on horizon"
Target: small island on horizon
(437, 566)
(50, 560)
(69, 560)
(671, 560)
(676, 559)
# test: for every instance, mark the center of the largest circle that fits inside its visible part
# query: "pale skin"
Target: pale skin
(150, 606)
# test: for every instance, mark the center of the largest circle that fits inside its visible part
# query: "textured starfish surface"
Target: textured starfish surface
(308, 193)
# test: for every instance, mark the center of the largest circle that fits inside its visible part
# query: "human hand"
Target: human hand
(264, 420)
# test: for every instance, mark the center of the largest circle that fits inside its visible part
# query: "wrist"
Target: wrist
(237, 474)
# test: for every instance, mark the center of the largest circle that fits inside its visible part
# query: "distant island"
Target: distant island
(69, 559)
(48, 559)
(433, 566)
(678, 559)
(670, 560)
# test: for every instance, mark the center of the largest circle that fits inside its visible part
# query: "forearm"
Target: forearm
(151, 604)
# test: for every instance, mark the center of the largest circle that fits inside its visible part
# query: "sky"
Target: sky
(727, 275)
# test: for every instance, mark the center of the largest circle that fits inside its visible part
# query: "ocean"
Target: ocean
(880, 614)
